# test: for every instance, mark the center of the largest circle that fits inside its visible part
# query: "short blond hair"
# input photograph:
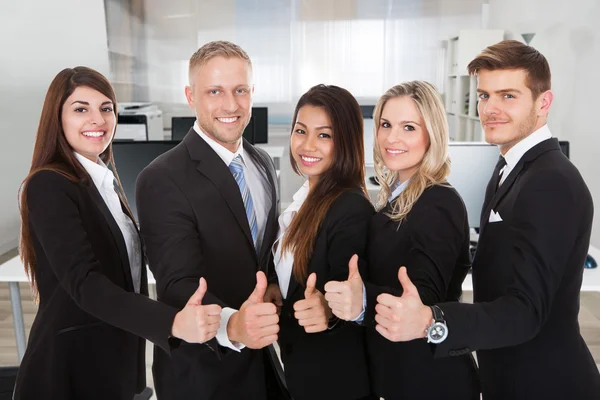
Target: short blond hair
(435, 166)
(214, 49)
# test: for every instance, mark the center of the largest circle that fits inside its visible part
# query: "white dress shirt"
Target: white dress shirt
(285, 262)
(255, 177)
(514, 155)
(104, 179)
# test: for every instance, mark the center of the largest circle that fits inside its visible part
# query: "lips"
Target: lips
(228, 120)
(309, 161)
(395, 152)
(94, 135)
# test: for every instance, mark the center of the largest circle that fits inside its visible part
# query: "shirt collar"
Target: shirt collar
(223, 153)
(397, 188)
(299, 197)
(98, 171)
(515, 154)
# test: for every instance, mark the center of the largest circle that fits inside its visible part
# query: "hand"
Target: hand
(255, 325)
(273, 295)
(346, 298)
(404, 318)
(312, 313)
(197, 323)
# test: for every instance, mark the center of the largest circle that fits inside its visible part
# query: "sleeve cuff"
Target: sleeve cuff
(222, 337)
(361, 316)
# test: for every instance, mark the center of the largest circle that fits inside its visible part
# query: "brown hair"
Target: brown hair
(346, 171)
(215, 49)
(512, 54)
(52, 151)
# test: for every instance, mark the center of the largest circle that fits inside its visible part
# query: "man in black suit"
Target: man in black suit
(535, 234)
(208, 208)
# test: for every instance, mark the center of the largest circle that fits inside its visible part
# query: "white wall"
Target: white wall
(567, 34)
(38, 39)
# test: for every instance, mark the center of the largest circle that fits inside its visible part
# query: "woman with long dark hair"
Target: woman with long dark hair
(82, 253)
(324, 226)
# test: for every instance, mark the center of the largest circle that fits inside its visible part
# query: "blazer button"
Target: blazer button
(452, 353)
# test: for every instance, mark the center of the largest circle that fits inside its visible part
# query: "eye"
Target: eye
(509, 96)
(107, 109)
(325, 135)
(241, 91)
(300, 131)
(483, 96)
(80, 110)
(385, 124)
(409, 128)
(214, 91)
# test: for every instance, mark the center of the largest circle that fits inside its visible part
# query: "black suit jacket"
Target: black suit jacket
(433, 244)
(527, 275)
(194, 225)
(330, 364)
(85, 340)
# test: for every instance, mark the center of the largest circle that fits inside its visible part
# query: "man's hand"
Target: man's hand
(401, 319)
(197, 323)
(346, 298)
(255, 325)
(273, 295)
(312, 313)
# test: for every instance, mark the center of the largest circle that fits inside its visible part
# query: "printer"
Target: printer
(139, 122)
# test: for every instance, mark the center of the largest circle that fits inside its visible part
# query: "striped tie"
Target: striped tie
(237, 169)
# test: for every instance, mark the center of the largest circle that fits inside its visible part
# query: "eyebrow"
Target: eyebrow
(317, 128)
(87, 104)
(403, 122)
(501, 91)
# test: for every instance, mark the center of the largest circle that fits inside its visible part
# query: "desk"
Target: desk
(13, 272)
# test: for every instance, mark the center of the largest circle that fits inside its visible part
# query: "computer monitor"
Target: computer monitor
(132, 157)
(368, 127)
(367, 111)
(257, 130)
(470, 172)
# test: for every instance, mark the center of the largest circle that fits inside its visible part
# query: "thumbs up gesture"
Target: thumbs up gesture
(255, 325)
(404, 318)
(312, 313)
(346, 298)
(197, 323)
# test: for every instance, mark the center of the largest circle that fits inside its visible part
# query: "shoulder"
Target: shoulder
(351, 202)
(439, 202)
(171, 161)
(50, 180)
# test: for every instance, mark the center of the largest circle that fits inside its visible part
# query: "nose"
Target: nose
(489, 107)
(310, 143)
(96, 118)
(229, 103)
(395, 135)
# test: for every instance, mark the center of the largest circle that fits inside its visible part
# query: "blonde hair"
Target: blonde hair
(435, 166)
(215, 49)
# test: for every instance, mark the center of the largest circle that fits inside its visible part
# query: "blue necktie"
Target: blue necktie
(237, 169)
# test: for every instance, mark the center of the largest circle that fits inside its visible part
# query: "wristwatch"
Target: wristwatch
(437, 332)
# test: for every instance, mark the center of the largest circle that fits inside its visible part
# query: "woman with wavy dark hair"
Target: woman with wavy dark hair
(326, 224)
(82, 252)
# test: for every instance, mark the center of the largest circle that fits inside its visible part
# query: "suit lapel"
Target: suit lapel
(116, 233)
(529, 156)
(212, 166)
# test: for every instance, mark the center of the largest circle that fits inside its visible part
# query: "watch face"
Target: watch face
(437, 333)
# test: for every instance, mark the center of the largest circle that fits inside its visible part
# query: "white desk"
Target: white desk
(13, 272)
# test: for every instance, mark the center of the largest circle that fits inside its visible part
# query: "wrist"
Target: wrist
(427, 315)
(232, 332)
(175, 327)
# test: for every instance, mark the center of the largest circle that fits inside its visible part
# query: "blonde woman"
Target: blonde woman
(421, 224)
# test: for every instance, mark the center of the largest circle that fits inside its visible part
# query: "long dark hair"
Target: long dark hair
(347, 170)
(52, 151)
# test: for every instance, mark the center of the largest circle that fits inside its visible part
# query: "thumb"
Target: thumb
(353, 268)
(409, 289)
(258, 294)
(311, 282)
(198, 295)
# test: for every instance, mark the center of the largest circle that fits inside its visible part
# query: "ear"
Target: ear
(252, 90)
(189, 95)
(544, 102)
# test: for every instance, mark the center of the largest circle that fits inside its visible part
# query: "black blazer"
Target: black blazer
(85, 340)
(330, 364)
(527, 275)
(433, 244)
(194, 224)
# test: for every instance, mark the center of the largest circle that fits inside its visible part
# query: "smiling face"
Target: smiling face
(312, 142)
(221, 94)
(88, 122)
(506, 107)
(402, 137)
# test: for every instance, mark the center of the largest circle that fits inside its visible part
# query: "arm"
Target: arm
(56, 222)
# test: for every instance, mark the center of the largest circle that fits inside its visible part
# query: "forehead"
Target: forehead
(222, 71)
(311, 115)
(501, 79)
(87, 94)
(402, 108)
